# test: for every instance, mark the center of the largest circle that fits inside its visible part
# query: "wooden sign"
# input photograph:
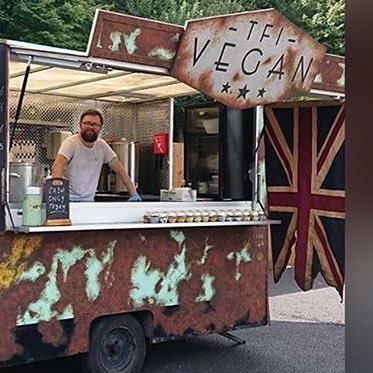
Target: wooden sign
(247, 59)
(57, 201)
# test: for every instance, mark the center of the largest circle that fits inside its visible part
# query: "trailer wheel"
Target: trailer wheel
(117, 345)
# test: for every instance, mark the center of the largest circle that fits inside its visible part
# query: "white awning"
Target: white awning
(63, 72)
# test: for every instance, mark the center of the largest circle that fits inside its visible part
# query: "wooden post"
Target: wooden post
(178, 165)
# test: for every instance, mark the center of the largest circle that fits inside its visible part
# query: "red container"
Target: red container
(160, 143)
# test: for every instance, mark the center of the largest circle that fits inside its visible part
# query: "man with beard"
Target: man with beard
(80, 159)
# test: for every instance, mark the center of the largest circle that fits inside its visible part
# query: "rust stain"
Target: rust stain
(331, 74)
(259, 256)
(52, 333)
(267, 61)
(208, 274)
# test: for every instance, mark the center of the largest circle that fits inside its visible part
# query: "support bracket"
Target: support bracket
(233, 338)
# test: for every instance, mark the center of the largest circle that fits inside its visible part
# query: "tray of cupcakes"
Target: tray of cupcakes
(202, 216)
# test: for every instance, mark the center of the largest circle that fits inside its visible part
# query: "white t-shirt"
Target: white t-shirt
(84, 166)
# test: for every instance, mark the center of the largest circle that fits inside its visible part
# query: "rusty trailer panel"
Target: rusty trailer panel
(132, 39)
(331, 76)
(247, 59)
(52, 286)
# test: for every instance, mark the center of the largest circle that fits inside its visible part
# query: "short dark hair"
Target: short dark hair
(92, 112)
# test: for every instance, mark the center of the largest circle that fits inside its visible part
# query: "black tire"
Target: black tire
(117, 345)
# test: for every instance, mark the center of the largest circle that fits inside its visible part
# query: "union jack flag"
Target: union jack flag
(304, 145)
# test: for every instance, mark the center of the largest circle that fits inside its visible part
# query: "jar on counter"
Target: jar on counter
(154, 218)
(163, 217)
(146, 218)
(32, 207)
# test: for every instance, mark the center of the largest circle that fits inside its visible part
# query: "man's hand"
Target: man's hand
(134, 198)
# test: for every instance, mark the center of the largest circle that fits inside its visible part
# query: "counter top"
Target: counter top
(123, 197)
(112, 226)
(88, 216)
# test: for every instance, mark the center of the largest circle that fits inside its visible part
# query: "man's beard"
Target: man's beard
(89, 136)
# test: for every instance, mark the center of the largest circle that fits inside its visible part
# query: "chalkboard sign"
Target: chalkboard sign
(57, 201)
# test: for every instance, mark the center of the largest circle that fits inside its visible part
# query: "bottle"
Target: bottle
(32, 207)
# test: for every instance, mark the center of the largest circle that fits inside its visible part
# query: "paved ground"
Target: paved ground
(306, 335)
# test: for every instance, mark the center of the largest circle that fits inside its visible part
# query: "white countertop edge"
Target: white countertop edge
(102, 227)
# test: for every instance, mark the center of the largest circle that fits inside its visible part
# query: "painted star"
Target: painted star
(226, 86)
(261, 92)
(243, 92)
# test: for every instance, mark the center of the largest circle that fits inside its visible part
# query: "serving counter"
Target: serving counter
(88, 216)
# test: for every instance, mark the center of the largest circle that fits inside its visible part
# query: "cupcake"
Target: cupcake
(213, 216)
(237, 215)
(221, 216)
(189, 216)
(254, 215)
(205, 216)
(180, 217)
(197, 216)
(246, 216)
(230, 215)
(171, 218)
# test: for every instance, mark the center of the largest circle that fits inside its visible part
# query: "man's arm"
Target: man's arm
(118, 168)
(58, 167)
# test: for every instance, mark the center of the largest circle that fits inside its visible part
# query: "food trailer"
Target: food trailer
(119, 275)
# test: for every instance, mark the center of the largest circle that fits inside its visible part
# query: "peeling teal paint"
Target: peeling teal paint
(162, 53)
(130, 41)
(205, 253)
(207, 288)
(116, 40)
(177, 236)
(93, 269)
(117, 37)
(145, 280)
(42, 309)
(242, 256)
(32, 274)
(175, 37)
(69, 258)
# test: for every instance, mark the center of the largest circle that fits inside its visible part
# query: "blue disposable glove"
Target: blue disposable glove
(134, 198)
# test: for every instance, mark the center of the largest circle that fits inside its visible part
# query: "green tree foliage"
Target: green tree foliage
(177, 11)
(67, 23)
(322, 19)
(52, 22)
